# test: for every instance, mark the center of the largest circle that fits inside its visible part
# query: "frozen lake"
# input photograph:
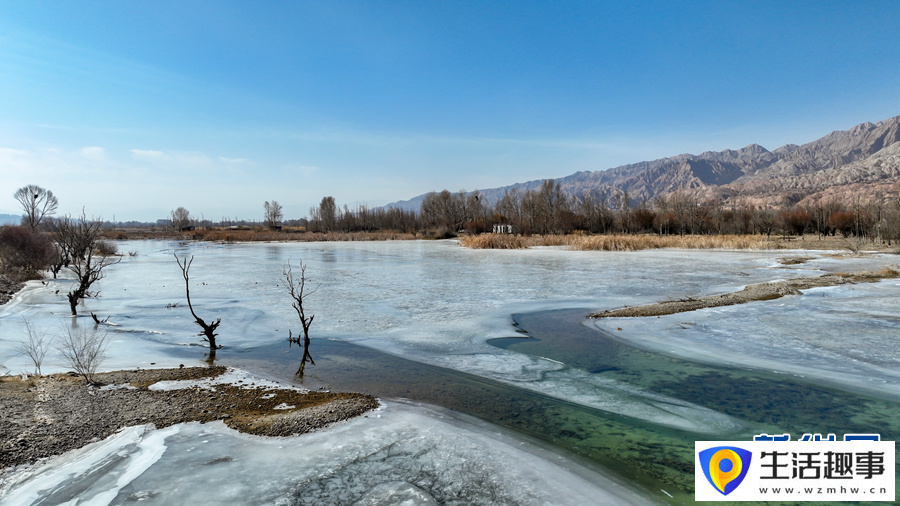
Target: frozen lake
(438, 304)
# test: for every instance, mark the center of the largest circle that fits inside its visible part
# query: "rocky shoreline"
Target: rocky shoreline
(8, 288)
(49, 415)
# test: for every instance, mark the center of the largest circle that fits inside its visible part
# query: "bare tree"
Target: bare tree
(181, 218)
(209, 329)
(63, 236)
(273, 213)
(298, 290)
(84, 350)
(79, 239)
(37, 203)
(35, 347)
(328, 213)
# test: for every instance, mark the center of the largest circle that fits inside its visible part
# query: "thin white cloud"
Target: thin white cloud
(192, 160)
(610, 144)
(235, 161)
(11, 152)
(147, 155)
(15, 163)
(94, 153)
(174, 159)
(302, 170)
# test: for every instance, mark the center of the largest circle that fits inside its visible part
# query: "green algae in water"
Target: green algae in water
(641, 453)
(650, 455)
(775, 403)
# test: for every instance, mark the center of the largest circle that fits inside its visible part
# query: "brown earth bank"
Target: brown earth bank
(761, 291)
(8, 288)
(43, 416)
(258, 234)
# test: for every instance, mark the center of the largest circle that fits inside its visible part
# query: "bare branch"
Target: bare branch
(209, 329)
(77, 241)
(298, 290)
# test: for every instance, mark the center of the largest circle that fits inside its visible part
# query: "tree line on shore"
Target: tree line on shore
(549, 211)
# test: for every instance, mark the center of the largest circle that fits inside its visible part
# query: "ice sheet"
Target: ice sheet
(437, 303)
(430, 301)
(400, 454)
(93, 474)
(841, 335)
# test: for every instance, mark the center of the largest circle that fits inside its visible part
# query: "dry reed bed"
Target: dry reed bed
(621, 242)
(496, 241)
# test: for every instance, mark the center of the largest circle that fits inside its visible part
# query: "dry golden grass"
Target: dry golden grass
(494, 241)
(555, 240)
(621, 242)
(641, 242)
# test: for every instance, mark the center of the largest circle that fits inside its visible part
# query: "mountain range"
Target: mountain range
(10, 219)
(862, 162)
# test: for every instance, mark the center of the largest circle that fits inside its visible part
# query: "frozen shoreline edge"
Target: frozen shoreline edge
(49, 415)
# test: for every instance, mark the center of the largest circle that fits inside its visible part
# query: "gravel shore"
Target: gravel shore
(8, 288)
(48, 415)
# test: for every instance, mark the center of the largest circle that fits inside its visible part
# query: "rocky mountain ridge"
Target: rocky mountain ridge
(862, 162)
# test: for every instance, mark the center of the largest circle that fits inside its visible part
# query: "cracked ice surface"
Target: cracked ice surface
(843, 335)
(400, 454)
(430, 301)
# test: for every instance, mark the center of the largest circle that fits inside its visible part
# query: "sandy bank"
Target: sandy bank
(49, 415)
(761, 291)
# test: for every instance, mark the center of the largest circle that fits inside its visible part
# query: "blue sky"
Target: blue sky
(129, 109)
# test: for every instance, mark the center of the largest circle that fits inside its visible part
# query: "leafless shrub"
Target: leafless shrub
(106, 248)
(24, 253)
(35, 347)
(854, 244)
(84, 350)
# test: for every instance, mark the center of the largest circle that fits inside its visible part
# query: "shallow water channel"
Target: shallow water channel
(653, 456)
